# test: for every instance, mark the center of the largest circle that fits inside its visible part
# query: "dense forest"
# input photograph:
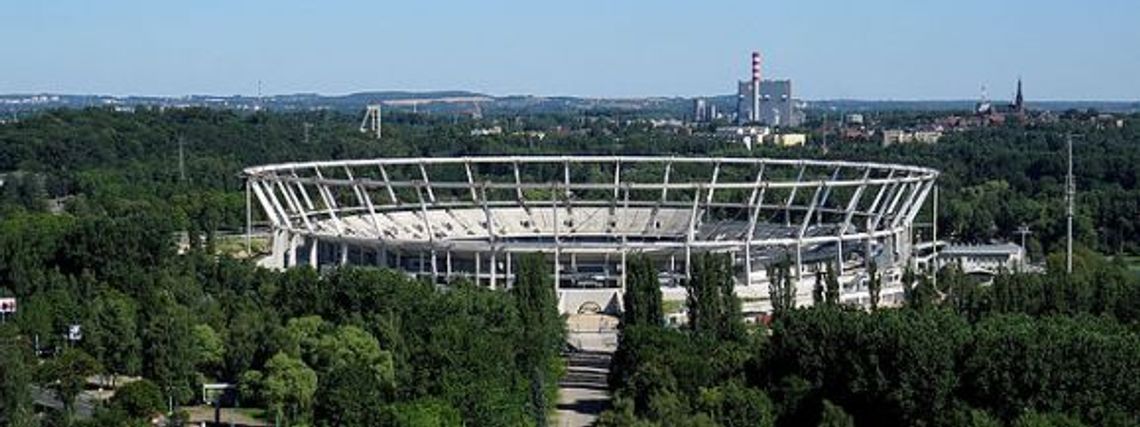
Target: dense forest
(1047, 350)
(92, 200)
(354, 347)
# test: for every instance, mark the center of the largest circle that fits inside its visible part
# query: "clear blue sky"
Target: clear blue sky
(871, 49)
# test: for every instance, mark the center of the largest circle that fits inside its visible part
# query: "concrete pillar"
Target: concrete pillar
(508, 276)
(494, 270)
(434, 265)
(314, 244)
(478, 267)
(624, 270)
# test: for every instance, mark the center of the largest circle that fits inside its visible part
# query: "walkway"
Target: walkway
(583, 393)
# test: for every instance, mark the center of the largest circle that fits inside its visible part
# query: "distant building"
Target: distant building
(766, 102)
(703, 111)
(854, 119)
(756, 135)
(989, 259)
(496, 130)
(789, 139)
(700, 109)
(898, 136)
(747, 135)
(774, 104)
(1018, 105)
(666, 123)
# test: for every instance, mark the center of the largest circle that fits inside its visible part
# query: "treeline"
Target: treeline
(353, 347)
(994, 179)
(1029, 351)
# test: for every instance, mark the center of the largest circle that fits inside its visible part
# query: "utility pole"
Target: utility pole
(1023, 230)
(1070, 193)
(934, 238)
(181, 160)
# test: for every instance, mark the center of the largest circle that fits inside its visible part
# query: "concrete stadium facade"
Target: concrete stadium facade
(471, 217)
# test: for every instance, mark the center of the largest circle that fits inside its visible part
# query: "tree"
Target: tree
(922, 295)
(207, 349)
(542, 328)
(303, 336)
(352, 346)
(246, 336)
(714, 309)
(781, 289)
(169, 352)
(112, 333)
(16, 375)
(874, 284)
(422, 413)
(832, 279)
(67, 374)
(817, 290)
(734, 405)
(289, 387)
(643, 293)
(834, 416)
(139, 399)
(1033, 419)
(350, 395)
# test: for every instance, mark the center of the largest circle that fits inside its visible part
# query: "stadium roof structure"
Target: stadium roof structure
(758, 209)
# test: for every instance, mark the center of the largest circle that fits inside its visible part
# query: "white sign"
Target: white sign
(74, 333)
(7, 305)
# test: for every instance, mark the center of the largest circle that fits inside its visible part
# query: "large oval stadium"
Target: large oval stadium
(470, 217)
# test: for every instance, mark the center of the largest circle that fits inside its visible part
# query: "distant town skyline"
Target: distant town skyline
(873, 49)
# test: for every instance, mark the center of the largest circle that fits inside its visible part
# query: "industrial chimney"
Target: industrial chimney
(754, 115)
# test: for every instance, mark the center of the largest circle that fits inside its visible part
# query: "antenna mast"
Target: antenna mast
(1070, 193)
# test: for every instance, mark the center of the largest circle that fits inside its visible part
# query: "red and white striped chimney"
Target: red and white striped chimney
(754, 114)
(755, 67)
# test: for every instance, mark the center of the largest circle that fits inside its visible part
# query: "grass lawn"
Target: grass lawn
(234, 246)
(672, 306)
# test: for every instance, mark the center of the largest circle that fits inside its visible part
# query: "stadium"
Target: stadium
(470, 218)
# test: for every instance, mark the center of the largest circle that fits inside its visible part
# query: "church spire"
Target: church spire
(1019, 101)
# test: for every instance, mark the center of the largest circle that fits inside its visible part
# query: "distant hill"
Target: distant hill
(467, 102)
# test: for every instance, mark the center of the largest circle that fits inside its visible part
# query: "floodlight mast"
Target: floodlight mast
(373, 121)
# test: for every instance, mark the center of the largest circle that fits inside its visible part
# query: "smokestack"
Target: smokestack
(755, 67)
(754, 115)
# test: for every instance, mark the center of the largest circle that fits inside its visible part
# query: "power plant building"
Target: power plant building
(767, 102)
(703, 111)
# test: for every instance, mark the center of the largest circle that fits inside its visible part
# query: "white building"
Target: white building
(987, 259)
